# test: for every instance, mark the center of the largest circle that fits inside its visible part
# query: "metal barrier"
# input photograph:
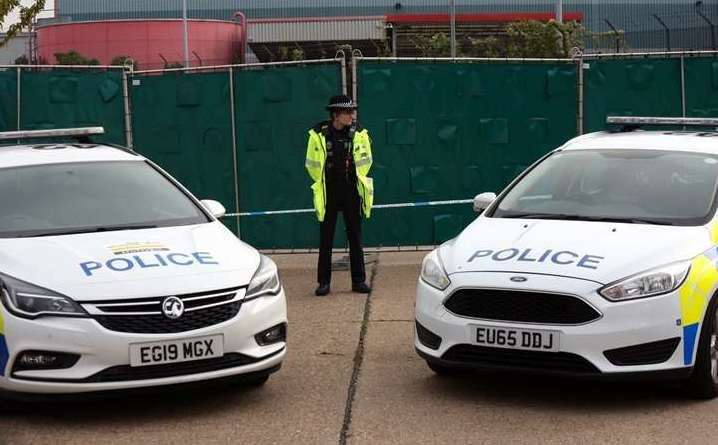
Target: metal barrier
(173, 108)
(30, 111)
(442, 128)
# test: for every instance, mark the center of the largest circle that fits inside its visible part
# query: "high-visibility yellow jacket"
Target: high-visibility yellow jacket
(316, 159)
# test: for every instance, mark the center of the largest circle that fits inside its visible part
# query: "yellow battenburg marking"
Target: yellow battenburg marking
(714, 233)
(696, 291)
(2, 324)
(137, 248)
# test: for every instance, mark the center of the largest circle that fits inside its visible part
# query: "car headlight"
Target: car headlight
(433, 273)
(648, 284)
(265, 280)
(30, 301)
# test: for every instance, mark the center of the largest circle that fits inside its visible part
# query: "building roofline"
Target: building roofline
(490, 17)
(86, 22)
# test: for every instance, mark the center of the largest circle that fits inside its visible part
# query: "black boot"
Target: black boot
(322, 290)
(361, 288)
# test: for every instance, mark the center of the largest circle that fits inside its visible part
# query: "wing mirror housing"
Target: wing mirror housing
(214, 207)
(483, 200)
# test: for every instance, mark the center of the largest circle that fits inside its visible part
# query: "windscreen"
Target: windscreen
(644, 186)
(85, 197)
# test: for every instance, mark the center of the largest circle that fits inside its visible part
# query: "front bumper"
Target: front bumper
(104, 354)
(582, 346)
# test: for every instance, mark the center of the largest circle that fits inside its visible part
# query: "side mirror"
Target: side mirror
(483, 200)
(215, 208)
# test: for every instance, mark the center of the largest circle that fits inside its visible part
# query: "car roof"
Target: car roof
(691, 141)
(61, 153)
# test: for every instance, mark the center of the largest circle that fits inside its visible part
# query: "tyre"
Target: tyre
(703, 382)
(441, 369)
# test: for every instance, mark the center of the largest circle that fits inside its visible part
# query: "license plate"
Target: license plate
(176, 351)
(525, 339)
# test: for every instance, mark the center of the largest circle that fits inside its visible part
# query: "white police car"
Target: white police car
(600, 260)
(114, 276)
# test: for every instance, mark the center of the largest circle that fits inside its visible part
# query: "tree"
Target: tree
(438, 45)
(26, 15)
(74, 58)
(531, 39)
(524, 39)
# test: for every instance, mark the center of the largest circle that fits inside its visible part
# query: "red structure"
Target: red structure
(148, 42)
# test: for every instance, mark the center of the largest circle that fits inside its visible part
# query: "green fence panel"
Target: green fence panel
(446, 131)
(630, 87)
(702, 87)
(183, 123)
(8, 100)
(74, 98)
(275, 107)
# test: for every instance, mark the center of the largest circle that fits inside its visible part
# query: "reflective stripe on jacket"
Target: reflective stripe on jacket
(316, 159)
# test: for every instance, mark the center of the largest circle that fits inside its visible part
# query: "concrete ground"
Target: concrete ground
(351, 376)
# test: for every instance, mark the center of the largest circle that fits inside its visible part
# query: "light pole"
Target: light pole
(559, 11)
(185, 32)
(452, 9)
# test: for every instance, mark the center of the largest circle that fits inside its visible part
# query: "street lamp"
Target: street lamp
(185, 34)
(452, 10)
(559, 11)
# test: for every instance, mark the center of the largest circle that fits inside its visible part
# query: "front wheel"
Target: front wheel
(703, 382)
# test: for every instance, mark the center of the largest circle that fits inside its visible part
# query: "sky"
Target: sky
(12, 17)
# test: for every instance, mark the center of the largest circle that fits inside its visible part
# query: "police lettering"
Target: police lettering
(559, 257)
(147, 261)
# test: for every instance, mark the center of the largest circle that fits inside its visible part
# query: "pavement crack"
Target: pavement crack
(337, 354)
(358, 359)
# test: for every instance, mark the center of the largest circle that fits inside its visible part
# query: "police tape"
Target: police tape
(378, 206)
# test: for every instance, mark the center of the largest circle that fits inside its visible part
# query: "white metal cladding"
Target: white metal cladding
(316, 29)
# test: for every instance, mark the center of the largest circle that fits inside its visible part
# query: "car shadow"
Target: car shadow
(558, 393)
(175, 401)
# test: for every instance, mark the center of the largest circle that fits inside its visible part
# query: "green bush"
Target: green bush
(120, 61)
(74, 58)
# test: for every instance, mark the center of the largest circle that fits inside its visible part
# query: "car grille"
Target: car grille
(643, 354)
(519, 306)
(528, 360)
(144, 315)
(128, 373)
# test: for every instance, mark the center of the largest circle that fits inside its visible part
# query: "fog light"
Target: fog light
(39, 360)
(275, 334)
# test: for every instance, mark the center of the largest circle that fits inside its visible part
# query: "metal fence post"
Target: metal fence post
(683, 85)
(235, 165)
(356, 55)
(128, 111)
(578, 57)
(19, 96)
(342, 57)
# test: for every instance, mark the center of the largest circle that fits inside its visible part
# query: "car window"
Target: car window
(90, 196)
(669, 187)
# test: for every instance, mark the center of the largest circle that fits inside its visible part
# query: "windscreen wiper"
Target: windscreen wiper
(90, 230)
(568, 217)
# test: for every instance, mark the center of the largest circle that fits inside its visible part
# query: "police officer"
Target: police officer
(338, 161)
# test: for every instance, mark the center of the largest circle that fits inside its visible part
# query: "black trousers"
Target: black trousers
(346, 201)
